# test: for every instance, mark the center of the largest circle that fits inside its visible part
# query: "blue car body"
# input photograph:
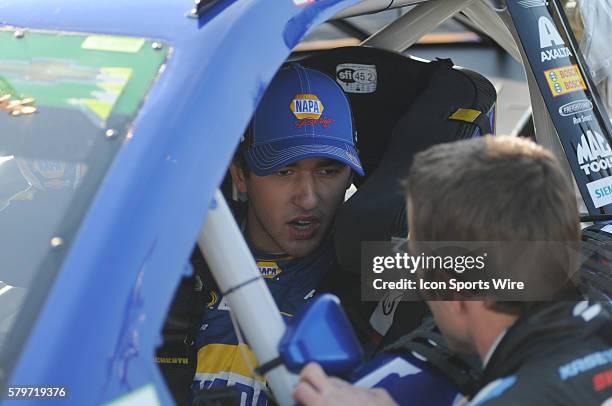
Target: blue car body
(94, 321)
(97, 329)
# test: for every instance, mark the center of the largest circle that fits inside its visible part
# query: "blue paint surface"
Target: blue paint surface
(100, 324)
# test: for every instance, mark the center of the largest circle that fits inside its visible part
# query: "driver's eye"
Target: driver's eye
(329, 171)
(284, 172)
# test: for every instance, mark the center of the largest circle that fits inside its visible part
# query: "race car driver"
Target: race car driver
(294, 165)
(533, 352)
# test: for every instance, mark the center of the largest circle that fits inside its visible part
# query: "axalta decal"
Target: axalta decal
(593, 153)
(552, 45)
(564, 80)
(584, 364)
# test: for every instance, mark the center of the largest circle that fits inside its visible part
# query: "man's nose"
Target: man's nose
(306, 196)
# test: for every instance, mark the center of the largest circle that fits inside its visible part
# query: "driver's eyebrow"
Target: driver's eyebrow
(327, 162)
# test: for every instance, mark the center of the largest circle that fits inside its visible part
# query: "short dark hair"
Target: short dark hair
(492, 189)
(239, 159)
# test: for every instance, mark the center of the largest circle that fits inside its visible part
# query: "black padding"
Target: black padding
(408, 113)
(399, 81)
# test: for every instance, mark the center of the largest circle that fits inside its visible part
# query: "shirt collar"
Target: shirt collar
(487, 357)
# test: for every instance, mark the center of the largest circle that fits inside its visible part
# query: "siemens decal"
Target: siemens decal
(593, 152)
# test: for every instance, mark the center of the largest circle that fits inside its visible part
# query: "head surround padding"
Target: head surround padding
(408, 113)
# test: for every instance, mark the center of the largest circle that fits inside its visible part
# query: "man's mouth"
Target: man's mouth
(303, 228)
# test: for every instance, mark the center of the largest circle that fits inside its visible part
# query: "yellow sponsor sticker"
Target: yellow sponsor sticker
(467, 115)
(564, 80)
(113, 43)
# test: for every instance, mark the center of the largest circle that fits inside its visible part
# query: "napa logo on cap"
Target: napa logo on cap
(306, 105)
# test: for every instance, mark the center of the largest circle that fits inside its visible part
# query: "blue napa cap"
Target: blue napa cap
(303, 114)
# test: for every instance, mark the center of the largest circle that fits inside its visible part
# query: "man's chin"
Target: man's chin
(302, 248)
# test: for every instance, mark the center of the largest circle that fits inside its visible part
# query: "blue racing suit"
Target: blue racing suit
(220, 361)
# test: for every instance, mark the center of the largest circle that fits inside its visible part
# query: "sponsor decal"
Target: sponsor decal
(564, 80)
(552, 45)
(602, 380)
(585, 118)
(308, 109)
(593, 153)
(306, 105)
(601, 191)
(553, 54)
(532, 3)
(269, 269)
(467, 115)
(357, 78)
(172, 360)
(584, 364)
(575, 107)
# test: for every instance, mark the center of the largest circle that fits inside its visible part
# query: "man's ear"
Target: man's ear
(239, 177)
(349, 182)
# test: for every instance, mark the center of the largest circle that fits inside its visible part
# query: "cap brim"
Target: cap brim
(266, 159)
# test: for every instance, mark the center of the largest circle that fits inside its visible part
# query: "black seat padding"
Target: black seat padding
(408, 112)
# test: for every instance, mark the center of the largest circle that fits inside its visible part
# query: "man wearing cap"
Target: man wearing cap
(295, 163)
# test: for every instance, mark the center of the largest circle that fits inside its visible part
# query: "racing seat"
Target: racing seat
(400, 106)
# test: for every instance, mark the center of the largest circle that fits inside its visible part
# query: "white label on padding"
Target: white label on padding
(357, 78)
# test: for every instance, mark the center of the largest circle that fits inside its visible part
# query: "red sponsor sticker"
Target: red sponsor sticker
(602, 380)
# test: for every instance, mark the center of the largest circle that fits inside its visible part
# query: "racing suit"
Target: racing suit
(559, 355)
(220, 360)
